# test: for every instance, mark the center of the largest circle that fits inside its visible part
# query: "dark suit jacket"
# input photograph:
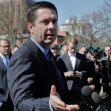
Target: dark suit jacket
(106, 69)
(3, 82)
(95, 74)
(65, 65)
(4, 90)
(106, 74)
(30, 77)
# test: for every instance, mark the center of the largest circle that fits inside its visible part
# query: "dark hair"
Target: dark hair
(31, 14)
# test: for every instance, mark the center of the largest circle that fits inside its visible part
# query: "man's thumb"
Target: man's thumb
(53, 90)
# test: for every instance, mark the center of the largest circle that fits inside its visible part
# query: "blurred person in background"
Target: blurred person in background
(83, 50)
(106, 69)
(73, 64)
(63, 49)
(55, 50)
(94, 71)
(5, 101)
(17, 46)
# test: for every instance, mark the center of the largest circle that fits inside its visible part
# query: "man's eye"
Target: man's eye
(45, 22)
(54, 21)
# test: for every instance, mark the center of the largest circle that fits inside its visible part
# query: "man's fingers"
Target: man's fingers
(58, 104)
(54, 97)
(74, 107)
(69, 74)
(60, 108)
(57, 101)
(53, 90)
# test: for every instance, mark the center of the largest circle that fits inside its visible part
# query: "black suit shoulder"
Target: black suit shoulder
(61, 64)
(80, 56)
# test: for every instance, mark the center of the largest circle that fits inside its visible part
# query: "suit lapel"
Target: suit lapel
(36, 51)
(2, 65)
(68, 62)
(77, 61)
(39, 55)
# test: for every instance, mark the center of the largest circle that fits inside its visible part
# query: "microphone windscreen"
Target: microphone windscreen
(95, 97)
(86, 91)
(103, 95)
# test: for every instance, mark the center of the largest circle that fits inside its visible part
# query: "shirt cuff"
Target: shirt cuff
(50, 106)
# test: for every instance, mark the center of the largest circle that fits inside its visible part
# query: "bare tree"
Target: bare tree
(92, 27)
(12, 19)
(106, 10)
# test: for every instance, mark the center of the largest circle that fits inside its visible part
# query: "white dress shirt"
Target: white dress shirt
(72, 59)
(5, 59)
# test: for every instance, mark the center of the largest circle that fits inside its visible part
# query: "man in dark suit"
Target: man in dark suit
(73, 64)
(106, 70)
(35, 81)
(5, 102)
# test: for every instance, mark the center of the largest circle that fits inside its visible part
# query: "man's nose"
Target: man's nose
(51, 25)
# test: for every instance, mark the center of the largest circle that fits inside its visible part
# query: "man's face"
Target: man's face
(72, 47)
(4, 47)
(54, 52)
(108, 51)
(44, 29)
(83, 50)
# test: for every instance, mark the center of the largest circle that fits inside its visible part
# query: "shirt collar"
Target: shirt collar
(3, 57)
(44, 50)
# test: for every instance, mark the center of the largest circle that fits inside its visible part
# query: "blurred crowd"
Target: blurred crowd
(91, 65)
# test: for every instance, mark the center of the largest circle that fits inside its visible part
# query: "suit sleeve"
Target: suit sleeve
(21, 82)
(61, 64)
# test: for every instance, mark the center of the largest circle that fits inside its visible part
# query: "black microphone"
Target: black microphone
(95, 97)
(86, 97)
(102, 94)
(86, 91)
(103, 104)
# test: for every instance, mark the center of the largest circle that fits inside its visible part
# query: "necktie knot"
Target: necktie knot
(49, 55)
(6, 62)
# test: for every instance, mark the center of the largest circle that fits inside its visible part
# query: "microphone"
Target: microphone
(95, 97)
(102, 94)
(86, 97)
(86, 91)
(103, 104)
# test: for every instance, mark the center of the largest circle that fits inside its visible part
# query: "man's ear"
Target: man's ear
(30, 28)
